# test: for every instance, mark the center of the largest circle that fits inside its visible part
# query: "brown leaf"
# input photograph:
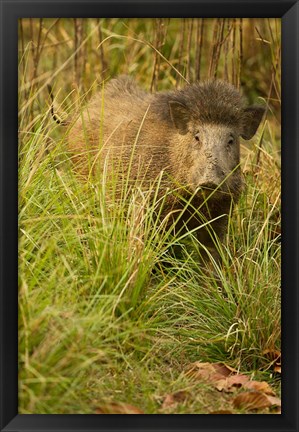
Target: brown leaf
(251, 400)
(254, 400)
(172, 400)
(221, 376)
(231, 383)
(200, 370)
(221, 384)
(118, 408)
(261, 386)
(197, 366)
(211, 372)
(275, 401)
(272, 354)
(226, 379)
(224, 369)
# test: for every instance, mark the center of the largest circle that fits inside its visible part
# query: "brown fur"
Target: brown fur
(192, 135)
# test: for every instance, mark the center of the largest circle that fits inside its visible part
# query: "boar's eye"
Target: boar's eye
(231, 141)
(197, 137)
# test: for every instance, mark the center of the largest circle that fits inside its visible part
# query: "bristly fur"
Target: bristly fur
(213, 101)
(210, 102)
(134, 135)
(126, 86)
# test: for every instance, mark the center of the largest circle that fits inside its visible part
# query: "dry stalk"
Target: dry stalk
(79, 57)
(55, 52)
(226, 52)
(240, 53)
(104, 64)
(217, 41)
(199, 45)
(160, 37)
(37, 50)
(233, 61)
(189, 49)
(219, 45)
(181, 48)
(22, 48)
(212, 54)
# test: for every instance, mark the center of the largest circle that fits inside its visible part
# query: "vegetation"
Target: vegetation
(107, 313)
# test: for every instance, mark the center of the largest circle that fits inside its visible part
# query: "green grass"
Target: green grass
(98, 305)
(106, 311)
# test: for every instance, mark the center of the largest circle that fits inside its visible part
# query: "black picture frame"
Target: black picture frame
(11, 10)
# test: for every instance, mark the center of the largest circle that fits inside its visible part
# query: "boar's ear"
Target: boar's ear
(180, 116)
(252, 118)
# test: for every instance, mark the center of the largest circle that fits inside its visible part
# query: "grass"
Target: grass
(106, 312)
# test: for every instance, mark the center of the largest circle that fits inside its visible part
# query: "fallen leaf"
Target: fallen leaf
(227, 379)
(118, 408)
(231, 383)
(261, 386)
(209, 371)
(274, 356)
(172, 400)
(254, 400)
(200, 370)
(251, 400)
(224, 369)
(275, 401)
(221, 376)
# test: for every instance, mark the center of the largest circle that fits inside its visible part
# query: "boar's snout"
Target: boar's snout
(214, 176)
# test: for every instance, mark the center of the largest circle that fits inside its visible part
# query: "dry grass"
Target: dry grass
(102, 318)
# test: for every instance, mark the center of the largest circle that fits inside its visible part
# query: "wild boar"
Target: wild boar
(192, 135)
